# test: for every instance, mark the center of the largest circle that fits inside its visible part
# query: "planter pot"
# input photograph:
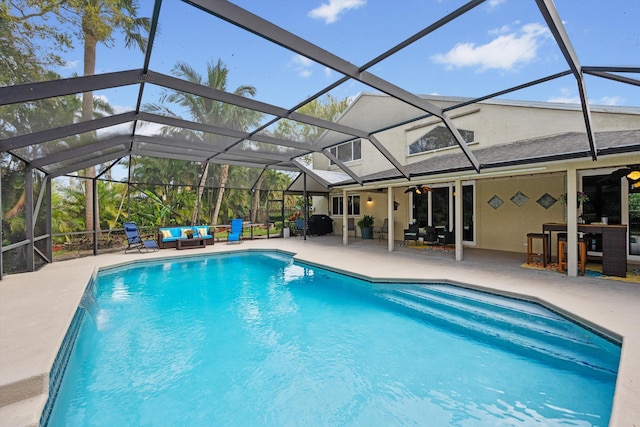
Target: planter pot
(366, 232)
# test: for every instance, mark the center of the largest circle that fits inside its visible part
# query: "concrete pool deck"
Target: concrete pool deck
(36, 308)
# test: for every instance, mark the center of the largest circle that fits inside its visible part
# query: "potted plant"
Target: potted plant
(188, 233)
(366, 226)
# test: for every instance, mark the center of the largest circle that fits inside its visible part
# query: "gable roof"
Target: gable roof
(570, 145)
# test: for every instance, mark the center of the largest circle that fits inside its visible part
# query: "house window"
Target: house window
(347, 152)
(353, 203)
(438, 138)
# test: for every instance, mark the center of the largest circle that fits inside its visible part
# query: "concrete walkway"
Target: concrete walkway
(36, 308)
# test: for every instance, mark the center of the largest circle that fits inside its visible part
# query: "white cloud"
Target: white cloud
(302, 65)
(328, 72)
(504, 52)
(567, 96)
(565, 99)
(610, 100)
(330, 11)
(502, 30)
(571, 96)
(495, 3)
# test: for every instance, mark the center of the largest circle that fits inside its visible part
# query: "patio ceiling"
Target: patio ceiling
(134, 132)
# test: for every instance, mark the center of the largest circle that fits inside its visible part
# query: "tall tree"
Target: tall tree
(28, 42)
(204, 110)
(328, 108)
(22, 22)
(98, 20)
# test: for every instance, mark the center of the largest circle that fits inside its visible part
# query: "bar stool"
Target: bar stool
(545, 245)
(582, 253)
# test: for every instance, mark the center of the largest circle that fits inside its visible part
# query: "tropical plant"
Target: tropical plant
(68, 204)
(366, 221)
(161, 200)
(327, 108)
(204, 110)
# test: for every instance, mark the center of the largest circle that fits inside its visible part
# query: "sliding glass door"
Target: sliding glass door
(612, 198)
(436, 208)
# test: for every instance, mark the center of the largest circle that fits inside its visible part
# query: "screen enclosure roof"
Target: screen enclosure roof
(262, 46)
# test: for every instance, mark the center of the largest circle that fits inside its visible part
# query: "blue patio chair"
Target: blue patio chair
(300, 227)
(235, 234)
(135, 242)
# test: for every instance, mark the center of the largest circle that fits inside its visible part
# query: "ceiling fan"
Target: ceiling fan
(632, 173)
(419, 189)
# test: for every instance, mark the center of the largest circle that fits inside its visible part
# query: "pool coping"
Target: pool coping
(625, 410)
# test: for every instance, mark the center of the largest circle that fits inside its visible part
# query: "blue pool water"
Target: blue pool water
(255, 339)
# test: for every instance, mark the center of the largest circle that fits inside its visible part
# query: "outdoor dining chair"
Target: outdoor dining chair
(384, 229)
(300, 227)
(351, 226)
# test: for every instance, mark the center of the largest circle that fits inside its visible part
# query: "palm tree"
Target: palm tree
(98, 20)
(204, 110)
(165, 201)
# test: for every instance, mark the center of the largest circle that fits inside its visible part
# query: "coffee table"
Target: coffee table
(195, 242)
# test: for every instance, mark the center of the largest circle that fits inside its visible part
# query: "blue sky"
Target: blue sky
(499, 44)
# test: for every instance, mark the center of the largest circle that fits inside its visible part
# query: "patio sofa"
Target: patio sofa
(168, 236)
(414, 232)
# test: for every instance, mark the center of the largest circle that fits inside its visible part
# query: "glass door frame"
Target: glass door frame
(451, 201)
(624, 200)
(474, 224)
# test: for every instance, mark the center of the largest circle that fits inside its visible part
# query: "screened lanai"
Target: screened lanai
(155, 114)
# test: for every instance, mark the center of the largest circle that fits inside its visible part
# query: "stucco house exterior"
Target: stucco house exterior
(531, 154)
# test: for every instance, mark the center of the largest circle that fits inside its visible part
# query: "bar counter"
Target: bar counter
(614, 244)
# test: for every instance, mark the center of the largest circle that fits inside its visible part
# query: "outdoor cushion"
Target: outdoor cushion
(176, 233)
(202, 231)
(170, 234)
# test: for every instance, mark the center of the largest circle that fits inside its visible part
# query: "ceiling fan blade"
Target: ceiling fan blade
(615, 175)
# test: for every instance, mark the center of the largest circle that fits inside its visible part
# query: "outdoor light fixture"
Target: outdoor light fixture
(368, 200)
(634, 175)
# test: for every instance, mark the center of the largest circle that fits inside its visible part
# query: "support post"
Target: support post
(47, 215)
(283, 218)
(305, 206)
(345, 218)
(457, 228)
(390, 230)
(28, 189)
(572, 222)
(94, 184)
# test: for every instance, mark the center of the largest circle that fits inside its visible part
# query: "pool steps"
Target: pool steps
(517, 325)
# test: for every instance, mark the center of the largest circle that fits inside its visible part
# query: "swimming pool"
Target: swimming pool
(256, 339)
